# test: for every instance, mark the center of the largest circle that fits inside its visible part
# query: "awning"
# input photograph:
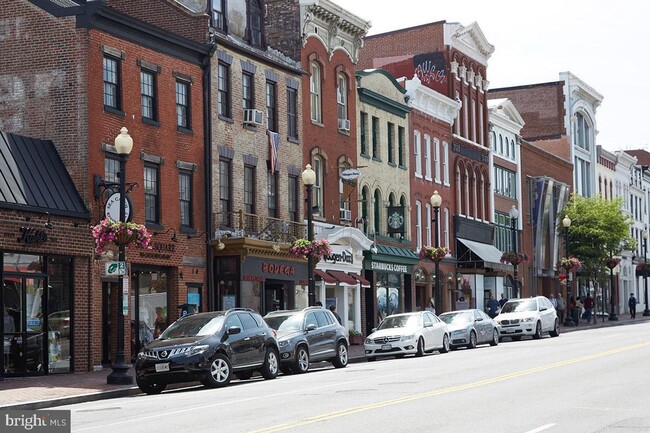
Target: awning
(343, 277)
(489, 254)
(326, 277)
(359, 278)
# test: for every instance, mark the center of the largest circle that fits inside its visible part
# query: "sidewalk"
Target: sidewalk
(57, 389)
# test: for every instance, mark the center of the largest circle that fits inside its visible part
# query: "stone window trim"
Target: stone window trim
(224, 57)
(114, 52)
(291, 83)
(272, 76)
(247, 66)
(250, 160)
(226, 152)
(183, 77)
(184, 165)
(292, 170)
(147, 157)
(151, 67)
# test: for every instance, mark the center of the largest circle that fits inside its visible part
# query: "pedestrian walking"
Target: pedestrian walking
(589, 306)
(333, 310)
(632, 304)
(561, 306)
(492, 307)
(503, 300)
(551, 298)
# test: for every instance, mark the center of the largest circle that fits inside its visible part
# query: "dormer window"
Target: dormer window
(255, 23)
(219, 15)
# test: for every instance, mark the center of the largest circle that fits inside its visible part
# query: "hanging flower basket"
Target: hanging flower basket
(643, 269)
(569, 263)
(302, 249)
(434, 254)
(611, 263)
(120, 234)
(514, 258)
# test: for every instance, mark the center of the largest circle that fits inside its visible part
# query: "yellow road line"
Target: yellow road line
(392, 402)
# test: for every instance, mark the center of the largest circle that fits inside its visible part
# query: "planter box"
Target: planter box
(356, 339)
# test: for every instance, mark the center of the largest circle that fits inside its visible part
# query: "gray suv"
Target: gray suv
(308, 335)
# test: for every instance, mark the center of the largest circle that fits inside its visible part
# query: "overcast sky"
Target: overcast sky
(604, 43)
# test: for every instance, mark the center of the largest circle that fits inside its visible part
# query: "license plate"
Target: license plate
(162, 367)
(386, 347)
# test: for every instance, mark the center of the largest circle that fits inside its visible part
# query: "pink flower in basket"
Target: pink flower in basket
(514, 258)
(569, 263)
(119, 233)
(434, 254)
(302, 248)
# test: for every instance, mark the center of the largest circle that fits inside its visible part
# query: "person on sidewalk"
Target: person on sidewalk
(492, 307)
(333, 310)
(551, 298)
(561, 305)
(503, 300)
(632, 304)
(589, 306)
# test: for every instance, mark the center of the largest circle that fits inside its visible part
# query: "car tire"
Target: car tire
(556, 329)
(495, 338)
(301, 363)
(271, 366)
(244, 375)
(341, 359)
(445, 344)
(220, 372)
(420, 351)
(538, 331)
(150, 388)
(472, 340)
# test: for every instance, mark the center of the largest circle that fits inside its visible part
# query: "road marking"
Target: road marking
(354, 410)
(542, 428)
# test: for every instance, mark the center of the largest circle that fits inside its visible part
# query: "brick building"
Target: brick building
(102, 66)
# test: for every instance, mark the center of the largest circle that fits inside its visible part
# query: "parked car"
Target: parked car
(469, 328)
(209, 347)
(531, 316)
(407, 333)
(308, 335)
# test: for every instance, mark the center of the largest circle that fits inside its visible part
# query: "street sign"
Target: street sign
(115, 268)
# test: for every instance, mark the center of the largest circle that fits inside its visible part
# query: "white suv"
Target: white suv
(530, 316)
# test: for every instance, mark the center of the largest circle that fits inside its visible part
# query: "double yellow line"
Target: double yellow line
(396, 401)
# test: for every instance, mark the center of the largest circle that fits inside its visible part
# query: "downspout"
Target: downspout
(207, 137)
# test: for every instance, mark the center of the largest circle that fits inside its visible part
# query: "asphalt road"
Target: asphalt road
(595, 381)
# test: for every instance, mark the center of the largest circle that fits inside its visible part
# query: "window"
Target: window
(503, 232)
(418, 224)
(271, 107)
(445, 162)
(363, 127)
(400, 146)
(377, 211)
(218, 15)
(391, 143)
(293, 198)
(183, 117)
(315, 91)
(112, 90)
(445, 229)
(344, 203)
(342, 97)
(223, 90)
(465, 118)
(255, 23)
(365, 204)
(292, 113)
(583, 132)
(427, 157)
(225, 188)
(375, 137)
(111, 169)
(436, 159)
(582, 173)
(247, 89)
(428, 223)
(148, 95)
(151, 194)
(249, 189)
(504, 182)
(417, 152)
(185, 197)
(317, 189)
(272, 194)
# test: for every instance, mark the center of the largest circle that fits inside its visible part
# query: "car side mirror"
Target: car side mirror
(480, 319)
(311, 327)
(234, 330)
(543, 309)
(428, 324)
(373, 330)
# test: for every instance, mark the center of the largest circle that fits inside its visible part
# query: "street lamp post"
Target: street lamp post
(120, 374)
(646, 312)
(436, 201)
(514, 214)
(566, 222)
(612, 293)
(309, 179)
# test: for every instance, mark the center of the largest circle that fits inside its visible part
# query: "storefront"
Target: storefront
(389, 271)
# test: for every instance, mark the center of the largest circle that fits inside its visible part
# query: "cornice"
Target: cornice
(469, 40)
(430, 102)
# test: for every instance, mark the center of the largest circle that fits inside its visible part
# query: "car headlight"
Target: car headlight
(407, 337)
(369, 341)
(284, 343)
(197, 350)
(459, 332)
(528, 319)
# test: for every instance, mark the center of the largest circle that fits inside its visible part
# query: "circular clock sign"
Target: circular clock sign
(112, 208)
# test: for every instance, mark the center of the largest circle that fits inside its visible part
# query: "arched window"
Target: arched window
(365, 207)
(377, 212)
(317, 191)
(315, 90)
(583, 132)
(342, 101)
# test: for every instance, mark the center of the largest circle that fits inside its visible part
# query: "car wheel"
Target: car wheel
(220, 372)
(538, 331)
(341, 359)
(556, 329)
(472, 340)
(495, 338)
(420, 351)
(244, 375)
(445, 344)
(271, 365)
(149, 387)
(301, 364)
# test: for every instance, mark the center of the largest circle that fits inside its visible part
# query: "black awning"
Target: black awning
(33, 178)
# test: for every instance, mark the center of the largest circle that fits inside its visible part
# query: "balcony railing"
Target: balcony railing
(241, 224)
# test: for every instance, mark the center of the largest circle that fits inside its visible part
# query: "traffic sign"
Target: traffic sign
(115, 268)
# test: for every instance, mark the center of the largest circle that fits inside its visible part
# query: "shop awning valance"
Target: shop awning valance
(343, 277)
(359, 278)
(325, 277)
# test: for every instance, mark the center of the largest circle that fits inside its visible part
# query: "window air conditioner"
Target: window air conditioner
(346, 215)
(344, 125)
(253, 117)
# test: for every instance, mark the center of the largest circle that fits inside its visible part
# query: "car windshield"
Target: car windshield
(193, 326)
(402, 321)
(285, 322)
(518, 306)
(459, 317)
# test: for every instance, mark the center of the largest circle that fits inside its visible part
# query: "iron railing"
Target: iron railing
(241, 224)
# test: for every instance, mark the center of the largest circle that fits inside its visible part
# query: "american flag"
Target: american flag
(274, 148)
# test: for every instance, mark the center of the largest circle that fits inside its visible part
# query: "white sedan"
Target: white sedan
(409, 333)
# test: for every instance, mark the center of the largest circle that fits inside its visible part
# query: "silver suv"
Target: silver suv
(527, 316)
(308, 335)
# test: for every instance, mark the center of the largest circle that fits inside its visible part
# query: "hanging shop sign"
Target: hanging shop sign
(396, 219)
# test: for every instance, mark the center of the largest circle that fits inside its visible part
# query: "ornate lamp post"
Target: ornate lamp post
(120, 374)
(612, 292)
(436, 201)
(514, 214)
(309, 179)
(646, 312)
(566, 222)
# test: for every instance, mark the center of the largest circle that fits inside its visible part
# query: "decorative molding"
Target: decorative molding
(430, 102)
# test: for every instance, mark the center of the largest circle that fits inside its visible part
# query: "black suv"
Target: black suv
(209, 347)
(308, 335)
